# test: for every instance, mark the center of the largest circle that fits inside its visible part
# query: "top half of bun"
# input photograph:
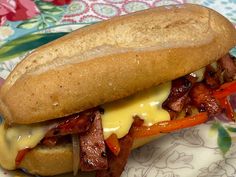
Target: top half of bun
(113, 59)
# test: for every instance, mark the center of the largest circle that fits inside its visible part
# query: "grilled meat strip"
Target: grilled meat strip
(73, 124)
(178, 97)
(202, 98)
(212, 77)
(116, 164)
(228, 67)
(92, 147)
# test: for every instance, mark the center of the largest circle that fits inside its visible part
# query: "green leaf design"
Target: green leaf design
(35, 19)
(26, 43)
(224, 140)
(42, 25)
(231, 129)
(54, 11)
(28, 24)
(44, 5)
(50, 19)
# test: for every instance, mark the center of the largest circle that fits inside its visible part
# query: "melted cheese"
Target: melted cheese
(16, 138)
(118, 116)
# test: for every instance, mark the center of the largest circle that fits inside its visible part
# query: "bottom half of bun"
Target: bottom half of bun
(50, 161)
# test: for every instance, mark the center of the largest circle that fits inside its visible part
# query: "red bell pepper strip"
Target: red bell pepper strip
(113, 144)
(221, 95)
(21, 154)
(225, 90)
(227, 107)
(170, 126)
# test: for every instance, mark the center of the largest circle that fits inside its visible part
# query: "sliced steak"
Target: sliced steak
(116, 164)
(178, 104)
(229, 67)
(178, 96)
(212, 77)
(73, 124)
(92, 147)
(201, 96)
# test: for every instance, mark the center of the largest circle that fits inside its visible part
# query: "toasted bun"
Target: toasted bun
(47, 161)
(113, 59)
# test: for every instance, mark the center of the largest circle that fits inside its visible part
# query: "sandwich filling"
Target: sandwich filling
(106, 133)
(117, 119)
(118, 116)
(17, 138)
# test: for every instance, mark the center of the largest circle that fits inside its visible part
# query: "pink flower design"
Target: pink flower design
(15, 10)
(59, 2)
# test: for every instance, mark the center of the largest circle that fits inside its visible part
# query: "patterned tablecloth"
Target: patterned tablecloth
(188, 153)
(19, 17)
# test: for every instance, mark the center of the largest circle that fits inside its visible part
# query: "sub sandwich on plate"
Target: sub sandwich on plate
(86, 100)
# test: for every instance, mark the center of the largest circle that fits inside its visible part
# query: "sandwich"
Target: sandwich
(85, 100)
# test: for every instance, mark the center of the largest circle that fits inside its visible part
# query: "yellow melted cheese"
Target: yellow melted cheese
(118, 116)
(16, 138)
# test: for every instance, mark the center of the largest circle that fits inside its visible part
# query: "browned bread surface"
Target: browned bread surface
(113, 59)
(48, 161)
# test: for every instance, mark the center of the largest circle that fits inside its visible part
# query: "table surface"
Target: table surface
(45, 13)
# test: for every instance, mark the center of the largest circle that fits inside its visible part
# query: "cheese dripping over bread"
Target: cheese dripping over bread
(118, 118)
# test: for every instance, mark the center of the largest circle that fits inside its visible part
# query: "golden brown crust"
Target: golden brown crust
(114, 59)
(58, 160)
(48, 161)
